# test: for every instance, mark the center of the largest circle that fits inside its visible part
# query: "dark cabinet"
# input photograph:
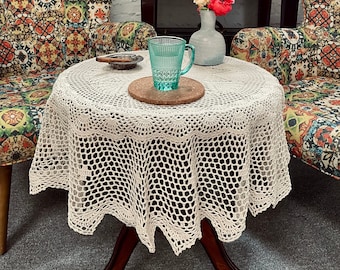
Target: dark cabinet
(149, 15)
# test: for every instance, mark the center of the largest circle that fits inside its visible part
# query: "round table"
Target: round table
(164, 166)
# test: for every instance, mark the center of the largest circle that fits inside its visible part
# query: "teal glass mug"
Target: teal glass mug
(166, 57)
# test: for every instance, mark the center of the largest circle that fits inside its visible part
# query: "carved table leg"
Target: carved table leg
(126, 243)
(215, 248)
(128, 239)
(5, 187)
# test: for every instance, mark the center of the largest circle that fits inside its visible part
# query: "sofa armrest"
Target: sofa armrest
(122, 36)
(288, 53)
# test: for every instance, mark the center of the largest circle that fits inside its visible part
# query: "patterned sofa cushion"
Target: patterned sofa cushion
(306, 60)
(289, 54)
(124, 36)
(38, 40)
(22, 100)
(43, 35)
(325, 13)
(328, 52)
(312, 122)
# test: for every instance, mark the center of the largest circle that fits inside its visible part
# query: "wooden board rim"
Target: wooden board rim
(189, 90)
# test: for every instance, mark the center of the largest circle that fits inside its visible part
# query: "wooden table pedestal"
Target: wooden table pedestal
(128, 239)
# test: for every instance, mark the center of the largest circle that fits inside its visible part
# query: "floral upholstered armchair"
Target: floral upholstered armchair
(38, 40)
(306, 60)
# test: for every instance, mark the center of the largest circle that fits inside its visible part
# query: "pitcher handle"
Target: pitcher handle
(192, 58)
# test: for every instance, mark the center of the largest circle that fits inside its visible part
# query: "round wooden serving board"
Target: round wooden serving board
(189, 90)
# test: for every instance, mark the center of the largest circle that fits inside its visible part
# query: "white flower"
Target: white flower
(201, 3)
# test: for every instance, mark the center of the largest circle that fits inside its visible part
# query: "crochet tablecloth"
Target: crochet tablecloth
(159, 165)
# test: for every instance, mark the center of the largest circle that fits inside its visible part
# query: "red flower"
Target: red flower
(220, 7)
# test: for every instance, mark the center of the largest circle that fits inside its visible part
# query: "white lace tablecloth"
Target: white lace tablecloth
(164, 166)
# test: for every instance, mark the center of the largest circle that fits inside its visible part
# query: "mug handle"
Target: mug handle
(192, 58)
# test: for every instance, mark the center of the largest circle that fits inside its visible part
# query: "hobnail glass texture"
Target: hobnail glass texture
(166, 57)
